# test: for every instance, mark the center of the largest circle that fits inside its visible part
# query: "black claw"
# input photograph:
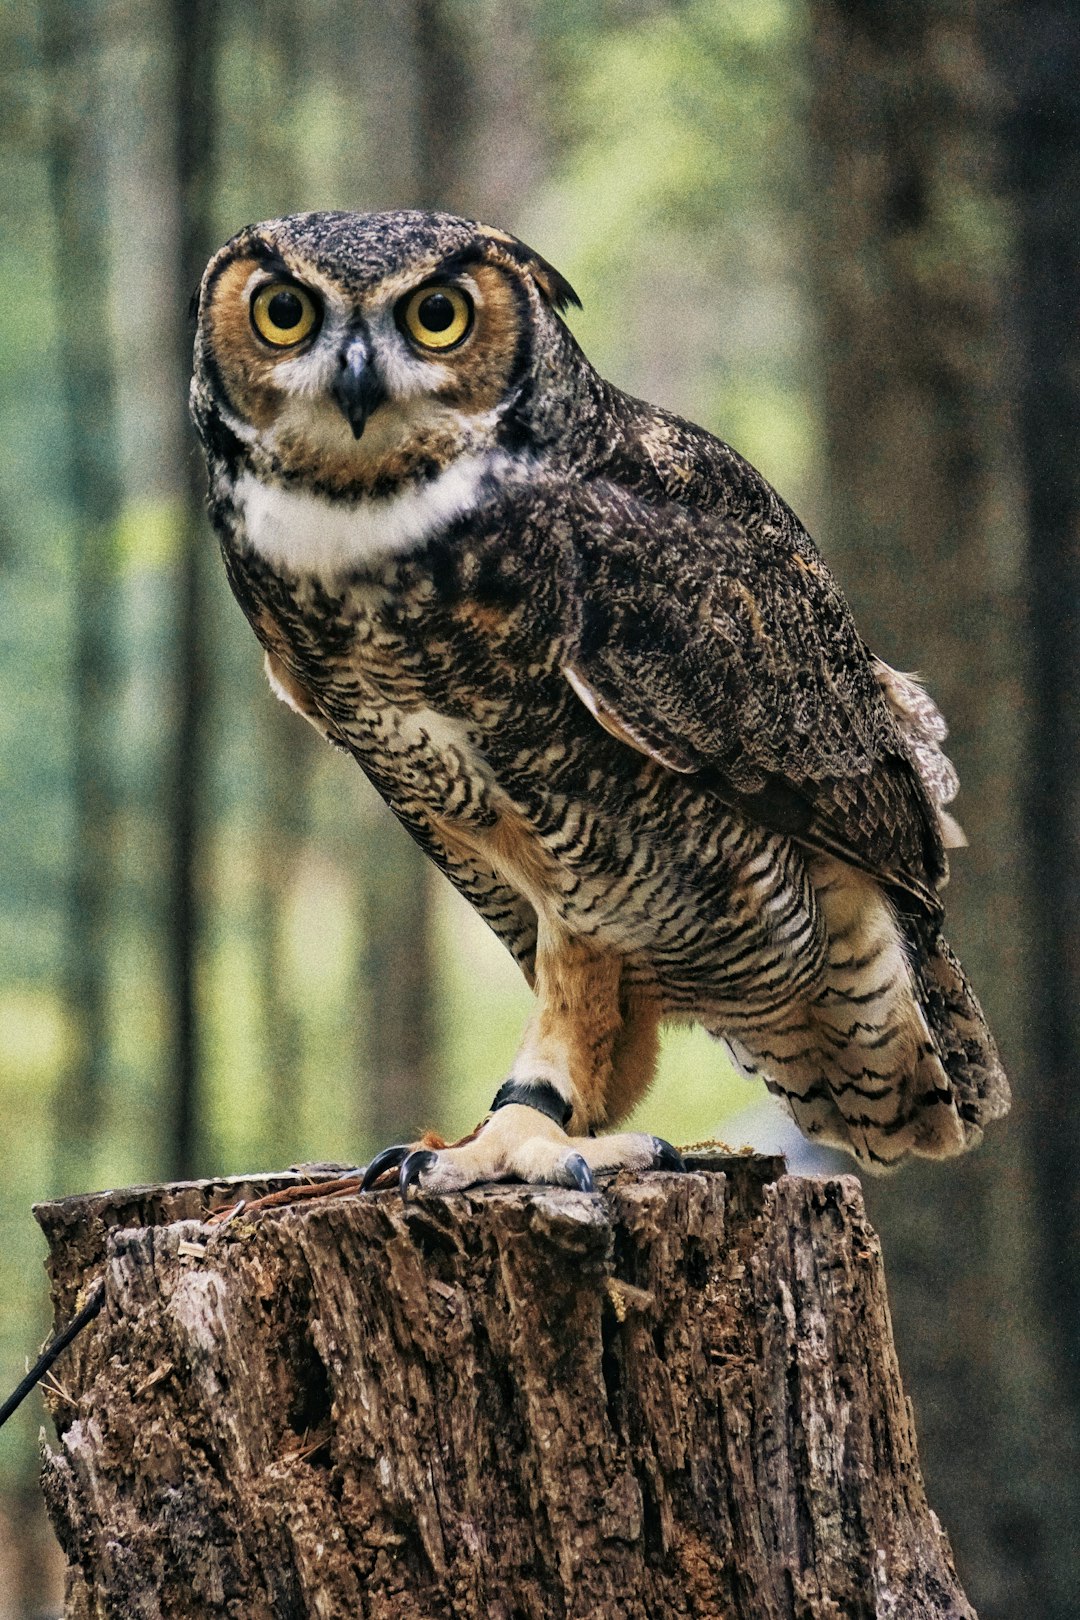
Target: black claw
(413, 1168)
(575, 1165)
(388, 1159)
(666, 1157)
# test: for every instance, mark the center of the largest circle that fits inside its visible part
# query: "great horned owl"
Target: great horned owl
(597, 668)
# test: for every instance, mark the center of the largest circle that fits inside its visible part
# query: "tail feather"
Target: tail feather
(892, 1056)
(959, 1030)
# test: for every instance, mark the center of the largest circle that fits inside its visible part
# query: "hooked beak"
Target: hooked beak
(357, 389)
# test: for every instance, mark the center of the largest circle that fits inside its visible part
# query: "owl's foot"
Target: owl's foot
(520, 1142)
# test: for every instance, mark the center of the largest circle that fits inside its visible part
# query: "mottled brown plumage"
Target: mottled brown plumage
(596, 666)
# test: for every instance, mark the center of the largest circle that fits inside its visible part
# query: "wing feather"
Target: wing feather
(724, 649)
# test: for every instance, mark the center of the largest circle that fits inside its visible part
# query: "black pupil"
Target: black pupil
(436, 312)
(285, 310)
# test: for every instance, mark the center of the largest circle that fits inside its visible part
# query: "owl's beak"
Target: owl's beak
(357, 388)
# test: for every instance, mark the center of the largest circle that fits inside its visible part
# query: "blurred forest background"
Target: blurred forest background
(843, 236)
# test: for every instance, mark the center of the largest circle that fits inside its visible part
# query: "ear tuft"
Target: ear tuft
(554, 287)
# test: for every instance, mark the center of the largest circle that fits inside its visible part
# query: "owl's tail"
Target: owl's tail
(958, 1029)
(892, 1057)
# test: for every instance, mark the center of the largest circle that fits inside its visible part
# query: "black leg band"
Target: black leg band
(536, 1094)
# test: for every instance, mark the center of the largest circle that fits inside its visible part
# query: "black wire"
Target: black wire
(95, 1299)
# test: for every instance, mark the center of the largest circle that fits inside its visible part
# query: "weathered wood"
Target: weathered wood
(676, 1397)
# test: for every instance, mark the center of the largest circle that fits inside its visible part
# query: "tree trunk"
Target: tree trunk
(677, 1397)
(193, 42)
(927, 538)
(1038, 50)
(84, 358)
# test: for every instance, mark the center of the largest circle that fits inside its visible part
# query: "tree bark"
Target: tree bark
(193, 50)
(679, 1396)
(1038, 54)
(912, 259)
(87, 375)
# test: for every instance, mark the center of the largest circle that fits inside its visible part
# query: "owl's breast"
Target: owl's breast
(420, 679)
(442, 674)
(455, 705)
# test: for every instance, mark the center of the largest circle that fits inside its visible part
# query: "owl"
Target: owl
(596, 667)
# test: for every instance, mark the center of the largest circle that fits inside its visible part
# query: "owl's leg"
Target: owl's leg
(588, 1053)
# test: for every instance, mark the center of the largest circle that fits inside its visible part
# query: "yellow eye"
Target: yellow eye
(284, 314)
(437, 317)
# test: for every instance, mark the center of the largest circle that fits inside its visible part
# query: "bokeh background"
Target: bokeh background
(842, 235)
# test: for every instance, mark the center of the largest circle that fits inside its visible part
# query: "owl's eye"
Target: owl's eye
(436, 317)
(284, 314)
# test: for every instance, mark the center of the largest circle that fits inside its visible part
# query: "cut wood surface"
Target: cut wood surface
(675, 1397)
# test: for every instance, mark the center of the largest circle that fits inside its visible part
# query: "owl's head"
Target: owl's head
(351, 351)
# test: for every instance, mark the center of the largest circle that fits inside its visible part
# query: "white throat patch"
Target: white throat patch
(309, 534)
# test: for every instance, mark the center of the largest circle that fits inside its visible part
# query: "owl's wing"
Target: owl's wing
(508, 914)
(722, 648)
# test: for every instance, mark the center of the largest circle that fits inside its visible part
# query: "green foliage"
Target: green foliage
(674, 211)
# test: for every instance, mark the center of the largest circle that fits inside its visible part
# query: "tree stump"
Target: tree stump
(678, 1396)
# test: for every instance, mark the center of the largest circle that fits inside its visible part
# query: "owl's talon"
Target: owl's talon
(579, 1172)
(413, 1168)
(667, 1157)
(388, 1159)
